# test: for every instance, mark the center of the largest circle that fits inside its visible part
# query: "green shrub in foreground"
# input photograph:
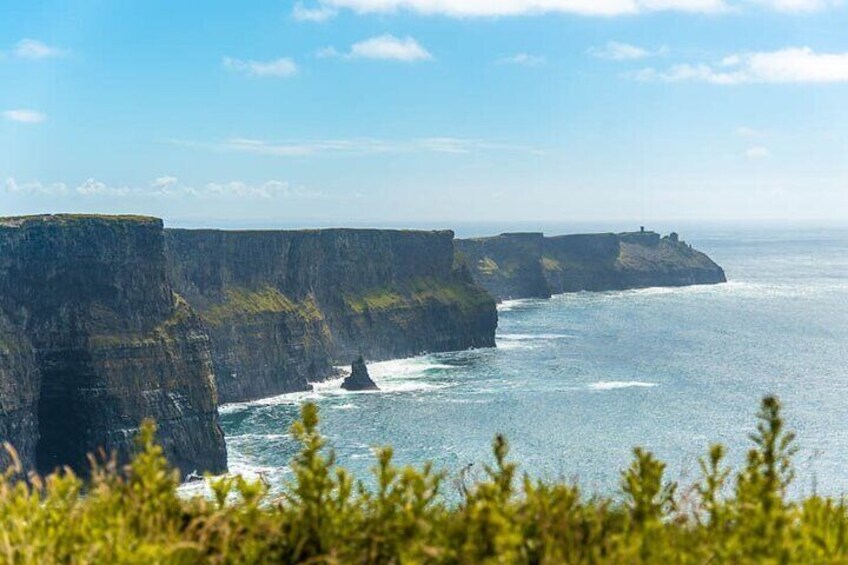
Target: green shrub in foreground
(134, 515)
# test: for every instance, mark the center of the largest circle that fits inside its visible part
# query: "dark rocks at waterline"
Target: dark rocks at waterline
(359, 378)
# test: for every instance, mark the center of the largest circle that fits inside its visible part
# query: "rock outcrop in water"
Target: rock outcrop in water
(282, 307)
(359, 379)
(534, 266)
(93, 340)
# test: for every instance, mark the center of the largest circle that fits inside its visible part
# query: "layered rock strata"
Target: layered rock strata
(94, 340)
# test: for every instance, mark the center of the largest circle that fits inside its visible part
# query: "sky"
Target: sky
(357, 111)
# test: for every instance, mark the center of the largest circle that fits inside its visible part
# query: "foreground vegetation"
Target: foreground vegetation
(135, 514)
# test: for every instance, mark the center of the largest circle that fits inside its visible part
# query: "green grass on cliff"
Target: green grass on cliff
(242, 302)
(551, 264)
(325, 516)
(417, 292)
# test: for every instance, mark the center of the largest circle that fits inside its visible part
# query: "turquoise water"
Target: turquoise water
(578, 380)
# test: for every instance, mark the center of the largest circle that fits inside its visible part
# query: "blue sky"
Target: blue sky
(343, 111)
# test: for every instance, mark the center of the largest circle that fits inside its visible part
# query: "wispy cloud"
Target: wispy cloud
(790, 65)
(745, 131)
(499, 8)
(24, 116)
(601, 8)
(616, 51)
(283, 67)
(317, 13)
(523, 59)
(758, 152)
(356, 146)
(34, 49)
(799, 5)
(164, 187)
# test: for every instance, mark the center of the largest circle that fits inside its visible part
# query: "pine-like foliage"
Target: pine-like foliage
(135, 514)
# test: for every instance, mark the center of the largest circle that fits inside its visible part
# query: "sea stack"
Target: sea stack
(359, 378)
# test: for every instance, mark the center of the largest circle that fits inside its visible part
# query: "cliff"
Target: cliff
(282, 307)
(94, 340)
(19, 385)
(511, 265)
(508, 265)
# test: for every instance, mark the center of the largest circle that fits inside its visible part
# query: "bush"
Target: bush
(135, 514)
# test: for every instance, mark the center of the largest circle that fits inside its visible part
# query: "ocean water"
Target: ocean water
(579, 380)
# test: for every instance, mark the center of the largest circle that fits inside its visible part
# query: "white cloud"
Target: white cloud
(327, 53)
(13, 187)
(758, 152)
(495, 8)
(387, 47)
(358, 146)
(24, 116)
(269, 189)
(164, 187)
(323, 9)
(361, 146)
(523, 59)
(283, 67)
(92, 187)
(34, 49)
(615, 51)
(318, 13)
(799, 5)
(745, 131)
(164, 182)
(790, 65)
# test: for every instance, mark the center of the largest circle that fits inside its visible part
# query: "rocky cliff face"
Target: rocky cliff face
(19, 385)
(509, 267)
(283, 307)
(110, 344)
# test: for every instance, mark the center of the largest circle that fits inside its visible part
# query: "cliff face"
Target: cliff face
(19, 385)
(111, 343)
(593, 262)
(623, 261)
(283, 307)
(508, 265)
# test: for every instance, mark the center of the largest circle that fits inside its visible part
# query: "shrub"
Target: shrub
(135, 514)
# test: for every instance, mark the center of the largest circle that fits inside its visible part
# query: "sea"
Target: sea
(577, 381)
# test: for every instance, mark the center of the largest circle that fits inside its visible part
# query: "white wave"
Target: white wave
(345, 406)
(511, 345)
(238, 465)
(518, 303)
(533, 337)
(401, 375)
(614, 385)
(255, 437)
(405, 368)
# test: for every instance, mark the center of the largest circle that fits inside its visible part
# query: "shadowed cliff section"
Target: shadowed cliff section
(19, 386)
(99, 342)
(282, 307)
(534, 266)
